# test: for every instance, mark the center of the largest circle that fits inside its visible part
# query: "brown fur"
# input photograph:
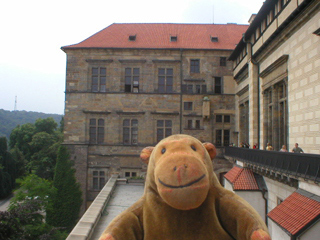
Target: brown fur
(184, 200)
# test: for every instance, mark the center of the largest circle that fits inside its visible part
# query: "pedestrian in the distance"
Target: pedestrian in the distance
(297, 149)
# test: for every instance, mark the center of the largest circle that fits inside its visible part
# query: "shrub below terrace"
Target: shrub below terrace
(65, 205)
(25, 222)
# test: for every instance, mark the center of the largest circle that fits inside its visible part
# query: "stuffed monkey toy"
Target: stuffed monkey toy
(183, 199)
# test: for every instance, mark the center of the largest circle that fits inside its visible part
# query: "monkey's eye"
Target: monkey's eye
(163, 150)
(193, 148)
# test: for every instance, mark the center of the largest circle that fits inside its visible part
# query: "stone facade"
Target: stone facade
(276, 68)
(200, 104)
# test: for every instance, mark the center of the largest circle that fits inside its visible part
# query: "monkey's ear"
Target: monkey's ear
(211, 149)
(145, 154)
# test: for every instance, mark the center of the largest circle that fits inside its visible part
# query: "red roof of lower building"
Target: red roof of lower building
(158, 36)
(296, 212)
(242, 179)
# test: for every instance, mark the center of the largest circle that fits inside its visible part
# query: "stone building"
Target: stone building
(130, 85)
(276, 66)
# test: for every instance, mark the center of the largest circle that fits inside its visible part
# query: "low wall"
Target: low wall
(89, 220)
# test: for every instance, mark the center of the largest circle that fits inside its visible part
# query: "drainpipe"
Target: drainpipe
(181, 82)
(254, 62)
(263, 192)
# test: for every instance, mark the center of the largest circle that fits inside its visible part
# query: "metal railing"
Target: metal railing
(302, 165)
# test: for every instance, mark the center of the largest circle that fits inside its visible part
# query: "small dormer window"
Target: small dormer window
(132, 37)
(173, 38)
(214, 39)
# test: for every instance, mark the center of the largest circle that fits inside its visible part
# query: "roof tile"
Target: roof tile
(242, 179)
(295, 212)
(157, 35)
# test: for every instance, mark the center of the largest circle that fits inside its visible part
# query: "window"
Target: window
(164, 129)
(130, 174)
(223, 61)
(165, 80)
(222, 118)
(132, 37)
(198, 89)
(197, 124)
(98, 180)
(217, 85)
(130, 131)
(218, 118)
(226, 137)
(279, 201)
(194, 88)
(173, 38)
(222, 137)
(187, 105)
(132, 76)
(193, 124)
(98, 76)
(214, 39)
(96, 131)
(194, 66)
(218, 138)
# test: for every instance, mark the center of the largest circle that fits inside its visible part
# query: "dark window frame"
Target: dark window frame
(217, 85)
(194, 65)
(130, 131)
(223, 61)
(132, 79)
(165, 80)
(96, 131)
(164, 129)
(98, 79)
(98, 179)
(187, 106)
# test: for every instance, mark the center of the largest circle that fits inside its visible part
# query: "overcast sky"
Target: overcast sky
(32, 65)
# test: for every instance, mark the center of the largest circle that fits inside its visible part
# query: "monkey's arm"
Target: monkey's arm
(126, 226)
(240, 219)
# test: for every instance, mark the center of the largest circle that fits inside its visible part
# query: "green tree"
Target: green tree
(47, 125)
(65, 206)
(21, 136)
(38, 145)
(33, 187)
(61, 128)
(7, 169)
(20, 161)
(25, 222)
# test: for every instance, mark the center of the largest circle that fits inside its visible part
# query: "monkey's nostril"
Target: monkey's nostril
(175, 168)
(185, 165)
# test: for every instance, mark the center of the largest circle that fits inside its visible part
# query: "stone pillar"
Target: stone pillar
(254, 104)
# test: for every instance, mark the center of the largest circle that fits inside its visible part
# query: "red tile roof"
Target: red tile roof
(157, 36)
(295, 212)
(242, 179)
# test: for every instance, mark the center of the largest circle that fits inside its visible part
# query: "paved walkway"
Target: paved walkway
(4, 204)
(122, 198)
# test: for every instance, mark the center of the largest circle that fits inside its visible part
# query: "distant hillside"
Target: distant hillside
(10, 119)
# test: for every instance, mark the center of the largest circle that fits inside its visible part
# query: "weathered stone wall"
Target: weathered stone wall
(147, 106)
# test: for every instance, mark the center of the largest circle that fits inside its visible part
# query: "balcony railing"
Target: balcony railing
(301, 165)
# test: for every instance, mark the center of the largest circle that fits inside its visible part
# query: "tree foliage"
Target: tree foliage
(65, 206)
(38, 143)
(7, 169)
(31, 188)
(10, 119)
(25, 222)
